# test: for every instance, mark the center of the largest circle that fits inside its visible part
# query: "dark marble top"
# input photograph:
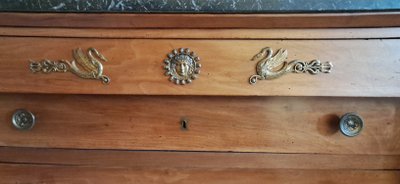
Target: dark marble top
(198, 6)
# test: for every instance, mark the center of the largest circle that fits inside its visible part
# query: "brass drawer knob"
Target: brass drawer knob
(23, 119)
(351, 124)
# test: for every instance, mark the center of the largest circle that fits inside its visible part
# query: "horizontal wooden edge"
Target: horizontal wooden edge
(282, 34)
(109, 20)
(12, 173)
(44, 92)
(185, 159)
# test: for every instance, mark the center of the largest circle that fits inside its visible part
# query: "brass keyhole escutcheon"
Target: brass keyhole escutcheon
(184, 124)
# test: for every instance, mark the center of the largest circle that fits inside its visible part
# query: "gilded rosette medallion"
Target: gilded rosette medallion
(182, 65)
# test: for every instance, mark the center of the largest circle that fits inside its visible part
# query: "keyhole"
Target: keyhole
(184, 124)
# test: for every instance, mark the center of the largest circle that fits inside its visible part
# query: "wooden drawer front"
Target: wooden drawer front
(360, 67)
(69, 174)
(205, 160)
(244, 124)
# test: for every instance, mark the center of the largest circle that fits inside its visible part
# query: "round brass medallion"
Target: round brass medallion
(182, 65)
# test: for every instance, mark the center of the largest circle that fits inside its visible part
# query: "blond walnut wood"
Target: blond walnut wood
(210, 160)
(287, 20)
(62, 174)
(337, 33)
(361, 67)
(229, 139)
(240, 124)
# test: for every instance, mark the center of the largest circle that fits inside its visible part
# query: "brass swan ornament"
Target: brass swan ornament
(93, 69)
(271, 66)
(267, 64)
(85, 66)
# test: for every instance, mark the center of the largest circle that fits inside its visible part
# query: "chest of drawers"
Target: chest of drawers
(125, 98)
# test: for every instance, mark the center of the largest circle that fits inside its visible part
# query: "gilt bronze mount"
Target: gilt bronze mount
(86, 66)
(182, 65)
(271, 66)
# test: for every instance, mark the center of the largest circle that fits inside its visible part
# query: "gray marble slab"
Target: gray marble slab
(198, 6)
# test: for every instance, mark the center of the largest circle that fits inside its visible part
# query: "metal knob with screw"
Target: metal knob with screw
(351, 124)
(23, 119)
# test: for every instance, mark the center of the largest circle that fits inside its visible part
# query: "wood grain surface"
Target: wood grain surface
(287, 20)
(11, 174)
(234, 134)
(179, 159)
(361, 67)
(239, 124)
(332, 33)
